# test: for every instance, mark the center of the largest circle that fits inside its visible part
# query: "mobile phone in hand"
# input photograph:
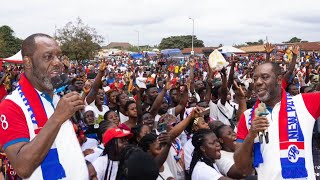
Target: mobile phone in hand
(162, 127)
(205, 112)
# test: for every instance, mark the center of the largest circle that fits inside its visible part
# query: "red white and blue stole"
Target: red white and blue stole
(51, 167)
(291, 140)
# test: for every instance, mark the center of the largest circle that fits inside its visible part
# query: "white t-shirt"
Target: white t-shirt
(89, 144)
(188, 150)
(271, 166)
(97, 113)
(204, 172)
(226, 109)
(176, 167)
(101, 164)
(225, 162)
(123, 118)
(97, 153)
(166, 173)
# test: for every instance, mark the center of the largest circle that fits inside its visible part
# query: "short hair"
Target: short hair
(29, 44)
(275, 68)
(147, 140)
(200, 90)
(126, 107)
(149, 86)
(135, 164)
(173, 89)
(103, 127)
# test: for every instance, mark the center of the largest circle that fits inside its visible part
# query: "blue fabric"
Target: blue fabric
(15, 141)
(297, 170)
(110, 81)
(92, 136)
(257, 156)
(240, 140)
(51, 167)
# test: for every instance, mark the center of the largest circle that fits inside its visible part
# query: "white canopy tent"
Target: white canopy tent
(17, 58)
(230, 49)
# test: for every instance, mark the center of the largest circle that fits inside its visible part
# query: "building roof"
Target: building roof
(309, 46)
(123, 45)
(304, 46)
(253, 49)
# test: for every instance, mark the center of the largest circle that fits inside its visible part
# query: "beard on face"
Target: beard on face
(264, 98)
(272, 93)
(42, 78)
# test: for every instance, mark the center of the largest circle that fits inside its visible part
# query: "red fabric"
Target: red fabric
(17, 124)
(115, 87)
(35, 102)
(284, 84)
(312, 102)
(242, 128)
(3, 91)
(283, 119)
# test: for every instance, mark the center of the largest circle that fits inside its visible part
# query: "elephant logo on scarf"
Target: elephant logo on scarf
(293, 153)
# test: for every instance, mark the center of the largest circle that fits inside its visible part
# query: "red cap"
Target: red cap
(115, 133)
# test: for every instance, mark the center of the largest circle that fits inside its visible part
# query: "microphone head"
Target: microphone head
(59, 81)
(262, 108)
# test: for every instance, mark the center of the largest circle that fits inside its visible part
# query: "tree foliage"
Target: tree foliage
(259, 42)
(294, 40)
(180, 42)
(78, 41)
(9, 44)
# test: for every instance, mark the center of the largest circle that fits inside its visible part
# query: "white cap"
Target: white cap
(89, 108)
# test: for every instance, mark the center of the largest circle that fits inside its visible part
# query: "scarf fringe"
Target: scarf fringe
(294, 172)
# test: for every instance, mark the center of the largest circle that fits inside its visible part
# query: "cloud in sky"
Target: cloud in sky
(227, 22)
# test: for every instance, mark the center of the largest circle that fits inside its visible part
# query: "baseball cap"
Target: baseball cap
(115, 133)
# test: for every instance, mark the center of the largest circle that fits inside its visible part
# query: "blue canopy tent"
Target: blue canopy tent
(171, 53)
(136, 55)
(150, 54)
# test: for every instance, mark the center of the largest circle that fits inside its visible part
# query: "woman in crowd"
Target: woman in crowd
(95, 153)
(112, 100)
(112, 116)
(148, 120)
(114, 141)
(194, 126)
(139, 131)
(206, 152)
(131, 112)
(158, 147)
(122, 99)
(227, 138)
(136, 165)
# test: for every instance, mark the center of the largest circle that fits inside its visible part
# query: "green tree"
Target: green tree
(259, 42)
(9, 44)
(294, 40)
(180, 42)
(78, 41)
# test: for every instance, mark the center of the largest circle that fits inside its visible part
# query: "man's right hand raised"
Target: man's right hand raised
(67, 106)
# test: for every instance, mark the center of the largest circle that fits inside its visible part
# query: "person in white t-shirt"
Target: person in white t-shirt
(114, 141)
(196, 124)
(95, 98)
(97, 152)
(206, 152)
(227, 138)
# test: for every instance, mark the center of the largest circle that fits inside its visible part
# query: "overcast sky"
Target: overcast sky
(225, 21)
